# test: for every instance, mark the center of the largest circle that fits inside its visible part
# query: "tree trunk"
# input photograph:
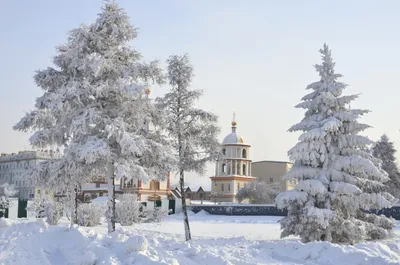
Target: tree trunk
(111, 197)
(73, 212)
(184, 210)
(76, 206)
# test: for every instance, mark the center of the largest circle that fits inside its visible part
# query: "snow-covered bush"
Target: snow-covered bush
(47, 207)
(337, 177)
(89, 214)
(258, 192)
(155, 214)
(128, 210)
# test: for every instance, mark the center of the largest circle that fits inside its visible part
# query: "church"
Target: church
(233, 168)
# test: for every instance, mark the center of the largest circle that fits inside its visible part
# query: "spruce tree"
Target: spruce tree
(94, 106)
(337, 179)
(385, 151)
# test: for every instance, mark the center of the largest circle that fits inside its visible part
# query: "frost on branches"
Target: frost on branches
(94, 106)
(129, 210)
(193, 131)
(258, 192)
(89, 214)
(337, 178)
(385, 151)
(47, 207)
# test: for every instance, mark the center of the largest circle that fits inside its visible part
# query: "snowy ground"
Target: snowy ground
(241, 240)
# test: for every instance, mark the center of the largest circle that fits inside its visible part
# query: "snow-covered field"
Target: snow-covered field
(241, 240)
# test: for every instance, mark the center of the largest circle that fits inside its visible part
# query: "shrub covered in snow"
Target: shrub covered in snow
(155, 214)
(258, 192)
(336, 177)
(47, 207)
(89, 214)
(128, 210)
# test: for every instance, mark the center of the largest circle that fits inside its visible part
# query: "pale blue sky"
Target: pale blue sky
(252, 57)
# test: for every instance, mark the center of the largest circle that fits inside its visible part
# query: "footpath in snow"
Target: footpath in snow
(226, 240)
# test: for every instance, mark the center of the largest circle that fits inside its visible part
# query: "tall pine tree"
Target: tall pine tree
(94, 105)
(193, 131)
(337, 179)
(385, 151)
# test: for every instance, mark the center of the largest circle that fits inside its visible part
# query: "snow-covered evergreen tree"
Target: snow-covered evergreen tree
(95, 107)
(336, 177)
(385, 151)
(193, 131)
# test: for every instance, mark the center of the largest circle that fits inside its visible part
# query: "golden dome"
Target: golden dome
(234, 123)
(148, 91)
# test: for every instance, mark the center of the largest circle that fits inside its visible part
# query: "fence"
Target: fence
(270, 210)
(239, 209)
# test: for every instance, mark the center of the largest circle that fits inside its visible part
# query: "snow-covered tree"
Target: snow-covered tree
(129, 210)
(193, 131)
(385, 151)
(95, 107)
(89, 214)
(6, 191)
(258, 192)
(337, 178)
(47, 207)
(155, 214)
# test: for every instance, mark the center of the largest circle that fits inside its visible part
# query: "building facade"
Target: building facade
(233, 168)
(272, 172)
(14, 168)
(148, 191)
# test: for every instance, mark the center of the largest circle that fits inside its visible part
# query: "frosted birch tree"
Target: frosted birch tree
(385, 151)
(337, 178)
(94, 105)
(193, 131)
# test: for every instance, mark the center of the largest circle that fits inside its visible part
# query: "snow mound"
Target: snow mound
(202, 213)
(4, 222)
(136, 244)
(79, 245)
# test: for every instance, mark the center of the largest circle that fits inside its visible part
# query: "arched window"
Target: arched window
(154, 185)
(244, 153)
(223, 168)
(238, 169)
(244, 170)
(224, 151)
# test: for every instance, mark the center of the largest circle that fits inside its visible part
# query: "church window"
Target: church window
(224, 151)
(223, 168)
(222, 186)
(244, 170)
(154, 185)
(244, 153)
(238, 169)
